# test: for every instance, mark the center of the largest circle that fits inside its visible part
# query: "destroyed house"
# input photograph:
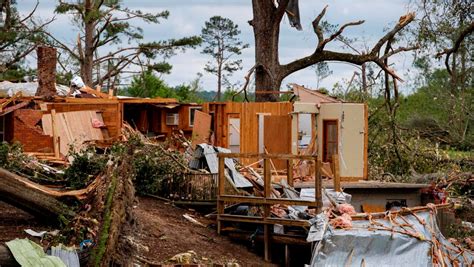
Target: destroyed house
(158, 117)
(315, 124)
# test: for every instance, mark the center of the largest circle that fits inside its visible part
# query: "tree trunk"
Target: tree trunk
(24, 194)
(364, 79)
(266, 30)
(6, 257)
(219, 81)
(87, 64)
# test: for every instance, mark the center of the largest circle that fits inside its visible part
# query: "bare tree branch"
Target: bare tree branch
(338, 33)
(317, 29)
(320, 54)
(457, 44)
(282, 5)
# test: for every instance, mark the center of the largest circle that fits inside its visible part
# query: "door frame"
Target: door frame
(324, 147)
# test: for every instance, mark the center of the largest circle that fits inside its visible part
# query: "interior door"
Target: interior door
(330, 139)
(234, 134)
(277, 137)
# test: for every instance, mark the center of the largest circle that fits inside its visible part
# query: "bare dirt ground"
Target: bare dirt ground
(162, 229)
(13, 223)
(166, 233)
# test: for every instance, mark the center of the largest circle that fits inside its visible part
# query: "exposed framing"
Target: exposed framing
(266, 201)
(191, 122)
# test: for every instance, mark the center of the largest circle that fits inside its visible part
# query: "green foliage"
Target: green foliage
(11, 156)
(153, 164)
(322, 71)
(151, 86)
(221, 42)
(109, 23)
(86, 165)
(18, 38)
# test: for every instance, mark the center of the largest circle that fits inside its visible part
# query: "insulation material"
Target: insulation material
(74, 128)
(201, 128)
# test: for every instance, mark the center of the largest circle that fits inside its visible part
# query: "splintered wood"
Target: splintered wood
(73, 128)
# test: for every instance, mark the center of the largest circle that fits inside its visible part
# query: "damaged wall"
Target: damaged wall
(352, 129)
(249, 122)
(25, 129)
(110, 110)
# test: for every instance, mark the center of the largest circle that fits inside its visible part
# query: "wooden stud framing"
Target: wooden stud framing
(337, 176)
(267, 200)
(221, 188)
(54, 127)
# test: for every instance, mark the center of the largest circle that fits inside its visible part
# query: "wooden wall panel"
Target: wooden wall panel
(248, 120)
(111, 112)
(277, 137)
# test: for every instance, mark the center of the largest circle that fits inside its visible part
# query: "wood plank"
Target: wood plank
(54, 129)
(337, 177)
(264, 156)
(262, 220)
(268, 201)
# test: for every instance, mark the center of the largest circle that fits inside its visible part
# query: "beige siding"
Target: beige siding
(351, 122)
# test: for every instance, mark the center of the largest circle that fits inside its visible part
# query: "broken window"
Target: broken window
(330, 139)
(192, 111)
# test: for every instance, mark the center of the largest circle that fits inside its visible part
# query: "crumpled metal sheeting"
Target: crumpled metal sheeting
(67, 255)
(339, 197)
(358, 245)
(210, 154)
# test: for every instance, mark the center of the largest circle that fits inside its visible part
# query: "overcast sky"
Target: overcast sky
(188, 16)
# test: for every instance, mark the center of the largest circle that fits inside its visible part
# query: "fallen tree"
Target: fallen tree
(31, 197)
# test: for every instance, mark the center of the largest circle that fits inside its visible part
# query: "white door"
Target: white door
(234, 135)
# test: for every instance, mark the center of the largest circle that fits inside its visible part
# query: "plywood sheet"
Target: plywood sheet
(277, 137)
(202, 128)
(74, 128)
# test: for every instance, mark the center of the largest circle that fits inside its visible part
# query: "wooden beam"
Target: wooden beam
(262, 220)
(276, 238)
(337, 176)
(289, 172)
(318, 186)
(13, 108)
(266, 156)
(220, 192)
(266, 201)
(54, 129)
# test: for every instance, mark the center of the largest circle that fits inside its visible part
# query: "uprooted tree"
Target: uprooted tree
(105, 25)
(269, 73)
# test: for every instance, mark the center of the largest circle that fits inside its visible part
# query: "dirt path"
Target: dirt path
(166, 233)
(162, 229)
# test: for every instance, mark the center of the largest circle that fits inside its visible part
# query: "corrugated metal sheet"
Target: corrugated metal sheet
(364, 246)
(210, 154)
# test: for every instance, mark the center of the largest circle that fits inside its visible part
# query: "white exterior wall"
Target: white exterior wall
(351, 130)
